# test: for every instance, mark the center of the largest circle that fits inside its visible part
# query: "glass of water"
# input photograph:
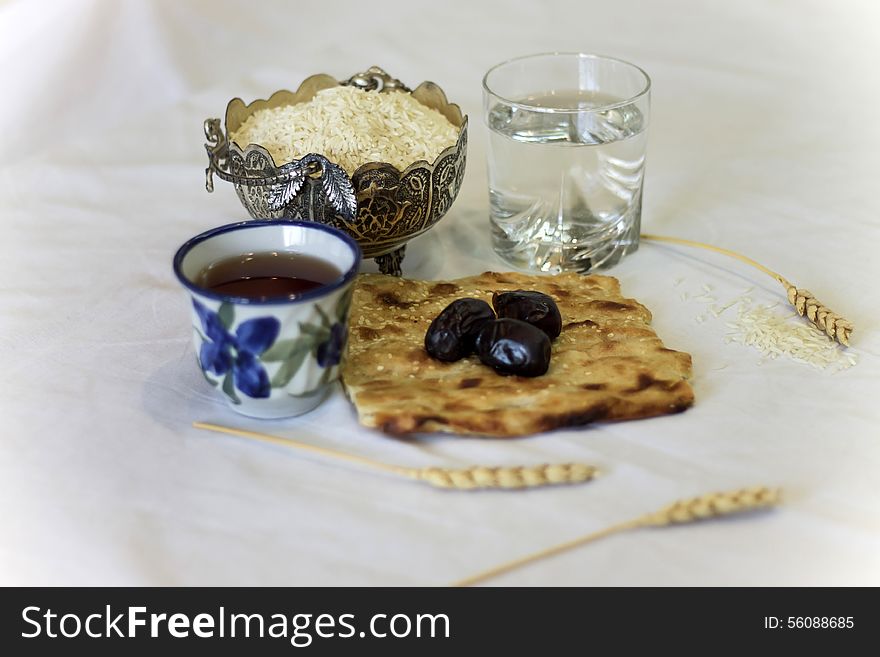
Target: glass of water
(567, 138)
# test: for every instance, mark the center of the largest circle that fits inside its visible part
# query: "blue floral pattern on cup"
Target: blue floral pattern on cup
(239, 360)
(223, 353)
(329, 352)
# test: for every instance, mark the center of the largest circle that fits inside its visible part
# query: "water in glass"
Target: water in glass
(565, 187)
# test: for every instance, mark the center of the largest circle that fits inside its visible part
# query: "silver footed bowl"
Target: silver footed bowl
(380, 206)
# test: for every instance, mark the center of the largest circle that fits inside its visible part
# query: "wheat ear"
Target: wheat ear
(473, 478)
(713, 505)
(819, 315)
(481, 476)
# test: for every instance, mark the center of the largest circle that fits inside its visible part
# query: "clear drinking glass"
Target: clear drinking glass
(567, 138)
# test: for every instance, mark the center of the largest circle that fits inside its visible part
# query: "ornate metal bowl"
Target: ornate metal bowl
(380, 206)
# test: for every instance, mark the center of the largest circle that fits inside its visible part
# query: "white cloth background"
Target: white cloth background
(764, 138)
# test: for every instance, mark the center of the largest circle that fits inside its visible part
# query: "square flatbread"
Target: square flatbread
(606, 365)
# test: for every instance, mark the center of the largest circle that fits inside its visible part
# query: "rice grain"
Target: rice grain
(351, 127)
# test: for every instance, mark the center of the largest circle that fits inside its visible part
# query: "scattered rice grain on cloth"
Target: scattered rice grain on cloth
(775, 331)
(777, 334)
(351, 127)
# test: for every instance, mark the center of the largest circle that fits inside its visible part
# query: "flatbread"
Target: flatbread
(606, 365)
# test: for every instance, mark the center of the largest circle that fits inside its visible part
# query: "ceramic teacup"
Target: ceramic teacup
(271, 357)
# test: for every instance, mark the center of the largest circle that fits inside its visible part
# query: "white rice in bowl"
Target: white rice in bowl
(351, 127)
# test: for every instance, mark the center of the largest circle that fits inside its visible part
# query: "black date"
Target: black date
(511, 346)
(536, 308)
(452, 334)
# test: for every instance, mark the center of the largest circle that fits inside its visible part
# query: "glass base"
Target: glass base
(554, 257)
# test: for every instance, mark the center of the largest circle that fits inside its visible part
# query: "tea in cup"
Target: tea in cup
(270, 303)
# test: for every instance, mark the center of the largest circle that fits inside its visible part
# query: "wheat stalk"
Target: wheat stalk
(713, 505)
(505, 477)
(704, 507)
(472, 478)
(835, 326)
(819, 315)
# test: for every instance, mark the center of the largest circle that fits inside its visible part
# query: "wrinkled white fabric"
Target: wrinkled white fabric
(764, 139)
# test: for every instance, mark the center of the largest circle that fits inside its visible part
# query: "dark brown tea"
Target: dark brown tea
(259, 276)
